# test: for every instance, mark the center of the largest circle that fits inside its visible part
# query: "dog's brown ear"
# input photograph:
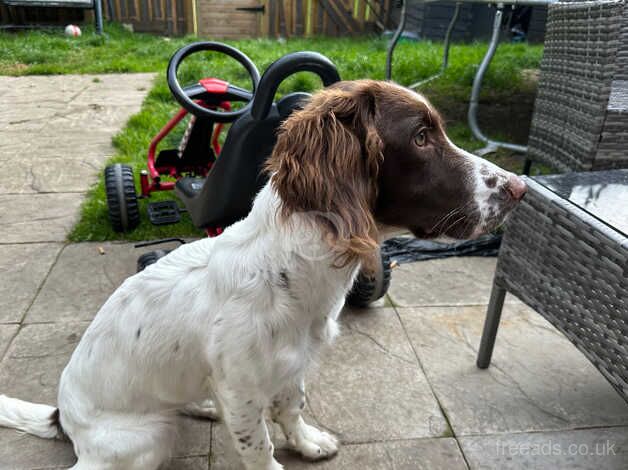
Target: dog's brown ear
(325, 164)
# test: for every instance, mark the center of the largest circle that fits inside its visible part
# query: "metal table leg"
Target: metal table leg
(491, 145)
(493, 315)
(395, 39)
(446, 44)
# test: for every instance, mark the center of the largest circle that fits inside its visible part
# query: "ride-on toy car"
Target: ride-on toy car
(217, 184)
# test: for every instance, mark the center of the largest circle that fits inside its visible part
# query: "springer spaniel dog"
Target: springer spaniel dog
(239, 317)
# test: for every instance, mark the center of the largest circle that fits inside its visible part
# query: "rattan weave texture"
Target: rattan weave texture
(573, 270)
(573, 128)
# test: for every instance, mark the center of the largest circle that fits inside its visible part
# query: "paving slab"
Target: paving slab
(30, 371)
(53, 174)
(33, 218)
(83, 279)
(193, 437)
(73, 117)
(23, 268)
(35, 359)
(7, 332)
(369, 386)
(23, 452)
(424, 454)
(538, 380)
(449, 281)
(188, 463)
(70, 144)
(428, 454)
(599, 449)
(42, 340)
(68, 162)
(55, 135)
(38, 97)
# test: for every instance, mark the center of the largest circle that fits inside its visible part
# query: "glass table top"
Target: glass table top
(603, 194)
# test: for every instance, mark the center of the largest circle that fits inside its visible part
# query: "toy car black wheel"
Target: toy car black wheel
(124, 211)
(369, 288)
(150, 258)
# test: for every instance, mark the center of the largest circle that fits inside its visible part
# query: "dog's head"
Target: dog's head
(373, 153)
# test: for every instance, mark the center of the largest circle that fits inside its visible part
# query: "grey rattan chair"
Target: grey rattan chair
(580, 119)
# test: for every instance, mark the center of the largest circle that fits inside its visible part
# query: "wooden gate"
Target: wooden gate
(169, 17)
(325, 17)
(288, 18)
(229, 19)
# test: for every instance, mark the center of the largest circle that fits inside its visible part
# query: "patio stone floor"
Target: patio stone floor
(55, 135)
(399, 387)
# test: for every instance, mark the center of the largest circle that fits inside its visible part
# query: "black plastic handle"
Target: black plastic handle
(282, 69)
(182, 97)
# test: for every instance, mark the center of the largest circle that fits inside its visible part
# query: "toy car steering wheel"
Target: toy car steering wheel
(186, 96)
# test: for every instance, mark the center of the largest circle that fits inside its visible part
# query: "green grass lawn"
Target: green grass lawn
(39, 52)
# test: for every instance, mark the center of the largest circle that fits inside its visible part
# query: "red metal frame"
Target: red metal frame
(155, 175)
(151, 181)
(218, 129)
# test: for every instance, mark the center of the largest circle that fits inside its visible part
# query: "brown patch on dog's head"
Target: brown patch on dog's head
(326, 161)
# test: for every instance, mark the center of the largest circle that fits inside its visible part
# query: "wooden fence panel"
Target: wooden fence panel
(169, 17)
(231, 19)
(251, 18)
(287, 18)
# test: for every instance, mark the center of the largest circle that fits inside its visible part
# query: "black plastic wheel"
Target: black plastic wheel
(149, 258)
(369, 288)
(124, 212)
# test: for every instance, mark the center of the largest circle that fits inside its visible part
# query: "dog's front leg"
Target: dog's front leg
(286, 410)
(244, 417)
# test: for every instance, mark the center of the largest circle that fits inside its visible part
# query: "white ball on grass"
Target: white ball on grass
(72, 30)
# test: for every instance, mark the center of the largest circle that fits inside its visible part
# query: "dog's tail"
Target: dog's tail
(32, 418)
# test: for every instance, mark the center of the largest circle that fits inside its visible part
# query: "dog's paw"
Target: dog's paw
(202, 409)
(314, 444)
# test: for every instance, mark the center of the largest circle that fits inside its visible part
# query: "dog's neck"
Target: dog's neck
(294, 247)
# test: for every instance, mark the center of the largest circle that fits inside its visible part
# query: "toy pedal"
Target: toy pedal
(164, 212)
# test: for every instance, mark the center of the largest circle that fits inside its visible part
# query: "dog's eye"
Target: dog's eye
(420, 138)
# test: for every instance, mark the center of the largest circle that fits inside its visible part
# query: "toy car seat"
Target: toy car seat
(216, 201)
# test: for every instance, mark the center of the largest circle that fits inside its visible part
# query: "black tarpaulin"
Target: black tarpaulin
(407, 249)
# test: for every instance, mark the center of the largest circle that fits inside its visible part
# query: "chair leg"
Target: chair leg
(493, 315)
(527, 166)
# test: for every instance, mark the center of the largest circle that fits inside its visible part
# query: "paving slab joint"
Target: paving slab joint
(28, 307)
(449, 432)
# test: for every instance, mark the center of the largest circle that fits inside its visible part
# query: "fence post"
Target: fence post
(98, 16)
(189, 10)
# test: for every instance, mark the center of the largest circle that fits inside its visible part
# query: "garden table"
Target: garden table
(491, 145)
(565, 254)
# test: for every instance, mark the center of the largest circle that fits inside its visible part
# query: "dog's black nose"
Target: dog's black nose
(515, 187)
